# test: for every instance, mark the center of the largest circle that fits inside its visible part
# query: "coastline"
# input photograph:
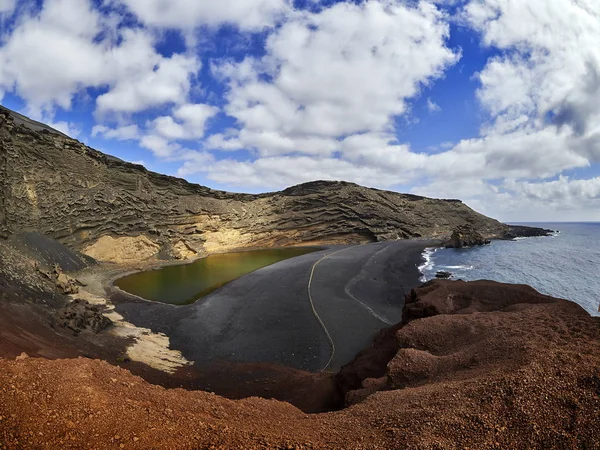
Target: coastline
(276, 295)
(168, 366)
(397, 267)
(560, 264)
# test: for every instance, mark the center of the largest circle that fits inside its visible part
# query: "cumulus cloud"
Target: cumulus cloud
(7, 6)
(563, 191)
(189, 14)
(160, 146)
(541, 94)
(321, 103)
(348, 69)
(67, 46)
(550, 75)
(283, 171)
(67, 128)
(124, 133)
(168, 82)
(188, 122)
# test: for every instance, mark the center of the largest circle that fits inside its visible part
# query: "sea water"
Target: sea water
(564, 265)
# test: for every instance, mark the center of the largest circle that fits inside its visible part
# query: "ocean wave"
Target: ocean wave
(458, 267)
(427, 265)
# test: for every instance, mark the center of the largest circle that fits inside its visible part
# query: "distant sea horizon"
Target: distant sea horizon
(564, 265)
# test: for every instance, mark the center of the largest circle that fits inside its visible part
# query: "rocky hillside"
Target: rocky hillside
(116, 211)
(499, 367)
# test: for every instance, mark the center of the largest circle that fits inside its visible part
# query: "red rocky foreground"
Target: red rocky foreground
(474, 365)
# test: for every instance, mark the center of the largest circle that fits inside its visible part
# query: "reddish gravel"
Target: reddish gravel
(523, 374)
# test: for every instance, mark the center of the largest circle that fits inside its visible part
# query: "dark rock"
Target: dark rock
(64, 283)
(466, 236)
(80, 315)
(443, 275)
(515, 231)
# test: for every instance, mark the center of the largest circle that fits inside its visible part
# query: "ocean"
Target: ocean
(565, 265)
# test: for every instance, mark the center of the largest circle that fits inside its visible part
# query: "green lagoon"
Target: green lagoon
(185, 284)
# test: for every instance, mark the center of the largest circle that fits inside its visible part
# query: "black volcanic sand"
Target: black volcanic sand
(266, 316)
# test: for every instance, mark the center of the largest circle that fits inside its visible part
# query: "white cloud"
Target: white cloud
(189, 14)
(189, 122)
(564, 192)
(7, 6)
(166, 83)
(541, 93)
(283, 171)
(549, 77)
(433, 107)
(124, 133)
(67, 128)
(348, 69)
(160, 146)
(68, 46)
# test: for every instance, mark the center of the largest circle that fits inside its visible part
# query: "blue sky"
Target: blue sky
(495, 102)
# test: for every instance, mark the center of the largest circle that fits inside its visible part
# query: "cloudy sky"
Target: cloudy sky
(496, 102)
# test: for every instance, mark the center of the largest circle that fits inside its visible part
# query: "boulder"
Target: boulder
(80, 315)
(64, 283)
(466, 236)
(443, 275)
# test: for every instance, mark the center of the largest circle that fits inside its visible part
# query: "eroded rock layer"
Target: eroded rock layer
(59, 187)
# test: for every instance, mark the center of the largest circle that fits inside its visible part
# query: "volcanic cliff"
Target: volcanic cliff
(121, 212)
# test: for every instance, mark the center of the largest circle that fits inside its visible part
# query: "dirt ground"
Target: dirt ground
(484, 366)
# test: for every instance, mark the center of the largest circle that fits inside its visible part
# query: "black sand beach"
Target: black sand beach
(267, 316)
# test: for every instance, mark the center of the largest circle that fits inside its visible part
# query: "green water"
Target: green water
(184, 284)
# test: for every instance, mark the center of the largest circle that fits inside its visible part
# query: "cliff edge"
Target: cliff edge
(473, 365)
(121, 212)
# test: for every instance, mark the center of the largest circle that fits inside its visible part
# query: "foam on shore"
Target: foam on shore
(428, 264)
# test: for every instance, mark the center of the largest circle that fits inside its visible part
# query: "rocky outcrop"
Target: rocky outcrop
(80, 315)
(122, 249)
(64, 283)
(466, 236)
(516, 231)
(63, 189)
(473, 365)
(439, 297)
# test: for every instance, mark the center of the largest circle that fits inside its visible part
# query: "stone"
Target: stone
(466, 236)
(80, 315)
(64, 283)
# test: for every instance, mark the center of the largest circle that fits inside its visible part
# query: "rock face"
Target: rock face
(466, 236)
(515, 231)
(57, 186)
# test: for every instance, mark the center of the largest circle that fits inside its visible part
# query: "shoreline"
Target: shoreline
(111, 286)
(389, 275)
(140, 311)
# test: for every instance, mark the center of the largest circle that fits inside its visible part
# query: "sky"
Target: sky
(494, 102)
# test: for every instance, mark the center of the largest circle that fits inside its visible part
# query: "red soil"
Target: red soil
(485, 366)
